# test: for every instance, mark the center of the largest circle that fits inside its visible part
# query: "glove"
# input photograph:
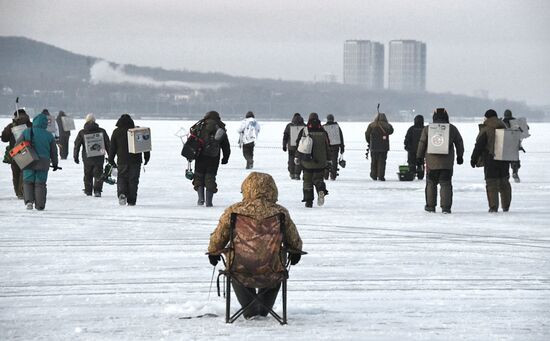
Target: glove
(146, 162)
(296, 161)
(76, 160)
(55, 168)
(284, 148)
(294, 258)
(473, 163)
(459, 160)
(225, 161)
(214, 259)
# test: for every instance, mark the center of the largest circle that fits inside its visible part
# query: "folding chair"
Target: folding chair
(257, 257)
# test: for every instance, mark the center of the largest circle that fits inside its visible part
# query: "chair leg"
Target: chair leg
(227, 298)
(284, 302)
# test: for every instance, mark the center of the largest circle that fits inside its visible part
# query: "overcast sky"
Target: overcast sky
(502, 46)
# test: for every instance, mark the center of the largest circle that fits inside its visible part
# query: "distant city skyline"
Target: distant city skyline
(499, 48)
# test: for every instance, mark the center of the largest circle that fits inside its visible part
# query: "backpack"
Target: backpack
(193, 146)
(305, 146)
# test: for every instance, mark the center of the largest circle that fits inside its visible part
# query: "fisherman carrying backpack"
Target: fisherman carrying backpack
(314, 156)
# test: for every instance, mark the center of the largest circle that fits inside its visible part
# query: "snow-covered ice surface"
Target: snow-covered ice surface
(378, 268)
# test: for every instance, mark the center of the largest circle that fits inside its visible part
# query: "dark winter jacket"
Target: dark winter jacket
(215, 138)
(378, 134)
(62, 132)
(413, 134)
(321, 146)
(7, 135)
(441, 161)
(328, 126)
(485, 149)
(119, 144)
(43, 143)
(89, 128)
(297, 121)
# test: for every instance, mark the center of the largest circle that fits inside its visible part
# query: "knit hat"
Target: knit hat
(313, 116)
(45, 112)
(440, 116)
(90, 118)
(330, 118)
(490, 113)
(507, 113)
(249, 114)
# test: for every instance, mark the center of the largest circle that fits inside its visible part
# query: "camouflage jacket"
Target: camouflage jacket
(258, 204)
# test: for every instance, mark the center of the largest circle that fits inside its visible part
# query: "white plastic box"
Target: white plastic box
(94, 144)
(17, 131)
(68, 123)
(139, 140)
(507, 144)
(438, 138)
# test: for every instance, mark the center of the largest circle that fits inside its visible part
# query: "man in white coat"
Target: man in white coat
(248, 132)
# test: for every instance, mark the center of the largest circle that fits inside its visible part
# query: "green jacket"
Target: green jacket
(321, 148)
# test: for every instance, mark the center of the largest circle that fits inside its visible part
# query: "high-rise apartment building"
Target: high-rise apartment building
(407, 65)
(364, 63)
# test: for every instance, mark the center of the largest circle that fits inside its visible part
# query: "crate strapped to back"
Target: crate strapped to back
(23, 154)
(139, 140)
(333, 131)
(507, 143)
(67, 123)
(294, 132)
(521, 125)
(438, 138)
(94, 144)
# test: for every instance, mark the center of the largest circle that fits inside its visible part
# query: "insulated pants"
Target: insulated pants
(245, 296)
(378, 165)
(496, 186)
(413, 168)
(313, 178)
(248, 153)
(17, 178)
(442, 177)
(293, 169)
(333, 170)
(64, 146)
(92, 177)
(128, 180)
(35, 192)
(206, 169)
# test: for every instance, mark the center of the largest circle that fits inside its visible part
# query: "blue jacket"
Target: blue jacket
(43, 142)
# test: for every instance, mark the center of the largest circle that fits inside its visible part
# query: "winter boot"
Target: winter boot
(29, 206)
(209, 196)
(430, 209)
(321, 198)
(40, 193)
(97, 194)
(309, 204)
(122, 200)
(200, 192)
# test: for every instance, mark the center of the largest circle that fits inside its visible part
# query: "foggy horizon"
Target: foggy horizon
(501, 47)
